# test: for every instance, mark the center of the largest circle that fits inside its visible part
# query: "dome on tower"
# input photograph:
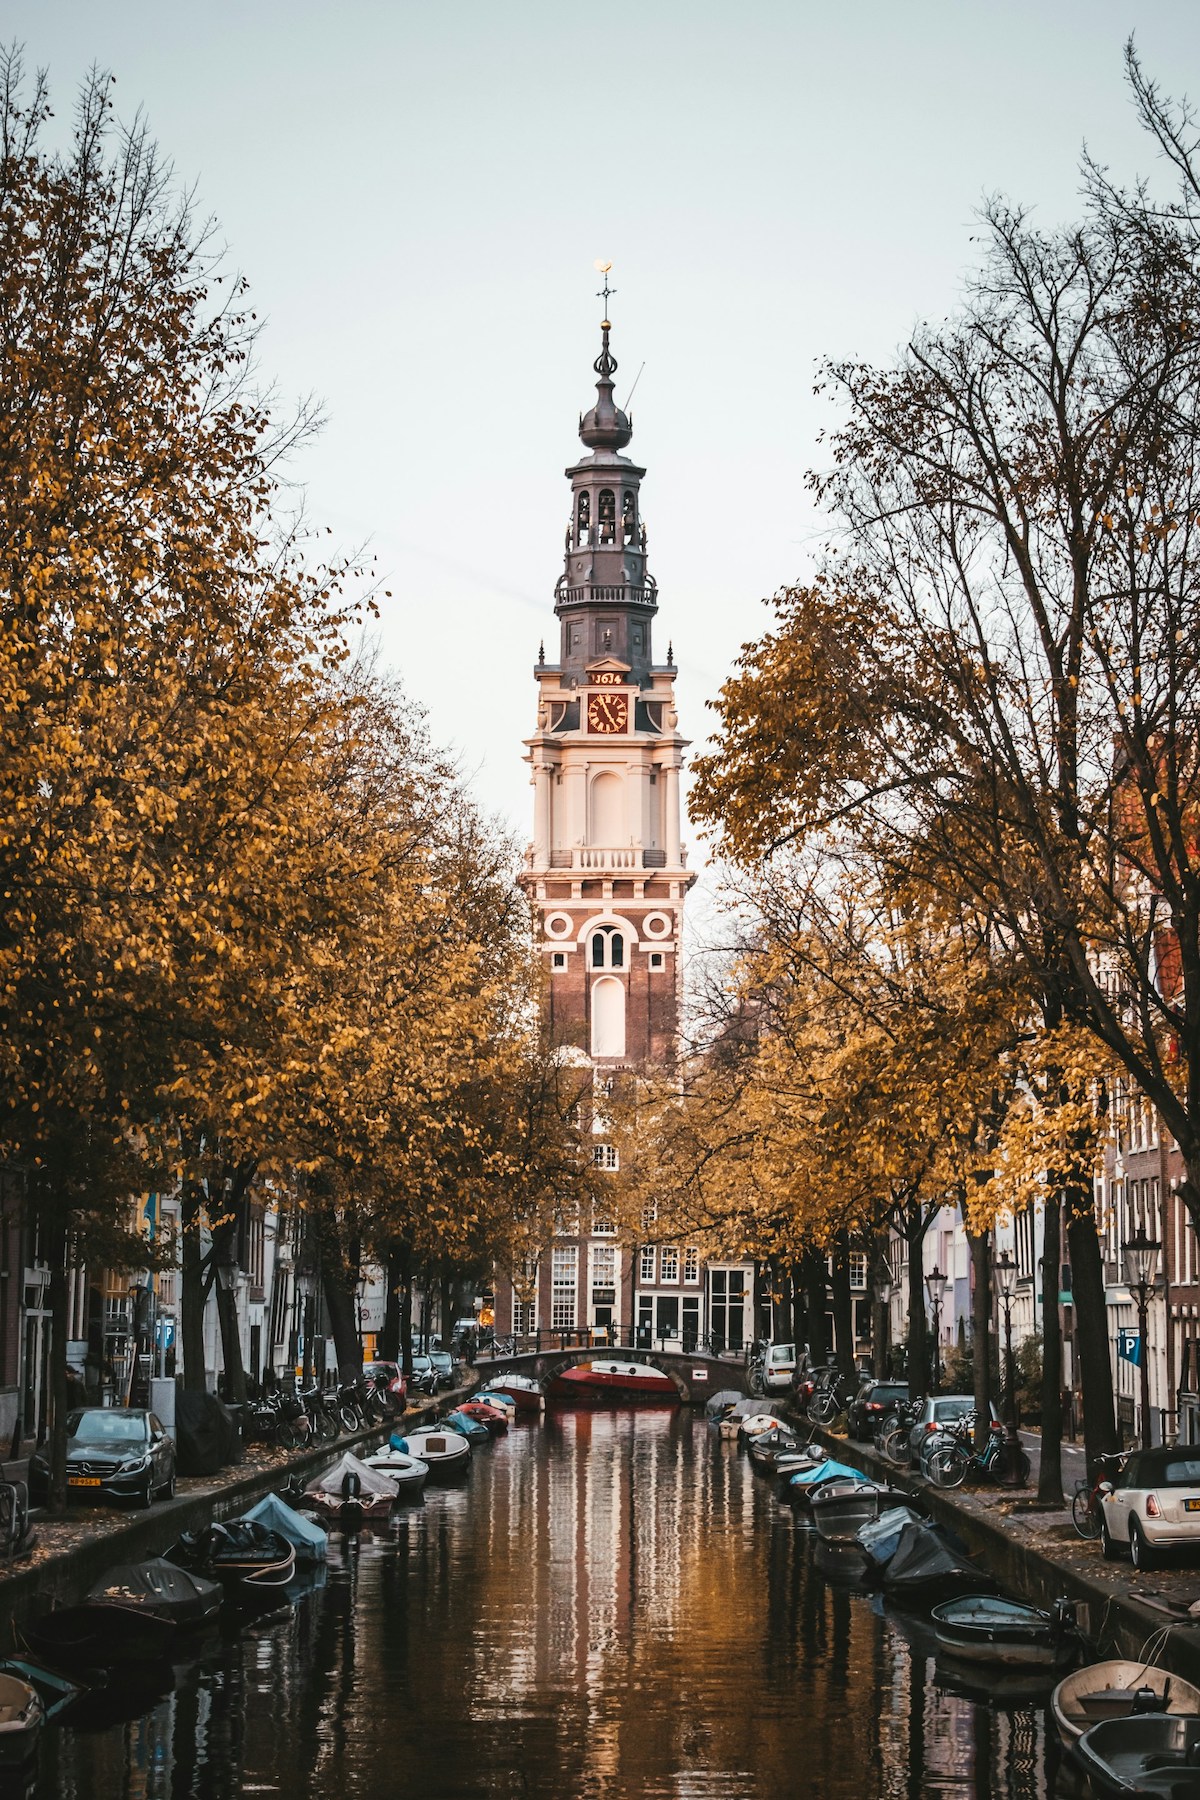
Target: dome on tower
(605, 427)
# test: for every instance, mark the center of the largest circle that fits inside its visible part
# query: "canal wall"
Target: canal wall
(1032, 1564)
(74, 1550)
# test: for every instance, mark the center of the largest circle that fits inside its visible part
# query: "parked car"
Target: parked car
(392, 1374)
(424, 1375)
(873, 1400)
(779, 1367)
(443, 1364)
(1153, 1505)
(939, 1411)
(113, 1453)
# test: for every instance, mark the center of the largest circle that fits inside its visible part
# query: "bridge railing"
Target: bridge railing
(612, 1337)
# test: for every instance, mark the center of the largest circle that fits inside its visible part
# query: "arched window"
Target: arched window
(608, 516)
(608, 1017)
(585, 517)
(608, 948)
(628, 519)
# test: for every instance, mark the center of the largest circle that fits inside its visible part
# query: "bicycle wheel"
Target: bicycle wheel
(1084, 1516)
(947, 1468)
(822, 1409)
(327, 1425)
(285, 1435)
(897, 1447)
(348, 1417)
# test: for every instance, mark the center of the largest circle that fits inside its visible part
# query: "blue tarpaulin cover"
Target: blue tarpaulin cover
(825, 1471)
(309, 1539)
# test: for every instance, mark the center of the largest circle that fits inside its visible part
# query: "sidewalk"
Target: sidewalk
(1039, 1555)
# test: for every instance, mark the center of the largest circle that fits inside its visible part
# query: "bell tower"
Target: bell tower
(606, 872)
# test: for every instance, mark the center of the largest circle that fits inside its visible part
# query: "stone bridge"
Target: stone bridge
(696, 1375)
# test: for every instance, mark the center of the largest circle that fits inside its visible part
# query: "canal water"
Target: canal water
(613, 1605)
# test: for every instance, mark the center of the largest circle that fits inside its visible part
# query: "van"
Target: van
(779, 1365)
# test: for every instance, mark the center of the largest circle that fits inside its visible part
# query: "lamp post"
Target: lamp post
(1141, 1267)
(1004, 1269)
(935, 1282)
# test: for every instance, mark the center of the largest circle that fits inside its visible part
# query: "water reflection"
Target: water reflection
(614, 1606)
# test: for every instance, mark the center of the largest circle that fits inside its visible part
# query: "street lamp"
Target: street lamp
(935, 1281)
(1141, 1267)
(1004, 1269)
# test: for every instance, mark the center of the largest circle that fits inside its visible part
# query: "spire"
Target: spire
(606, 427)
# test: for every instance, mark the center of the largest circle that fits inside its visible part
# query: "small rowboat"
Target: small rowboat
(730, 1422)
(620, 1381)
(446, 1454)
(524, 1392)
(718, 1405)
(1158, 1753)
(492, 1418)
(841, 1508)
(1004, 1633)
(1118, 1689)
(350, 1493)
(246, 1558)
(805, 1482)
(21, 1718)
(494, 1397)
(306, 1538)
(754, 1424)
(162, 1588)
(407, 1473)
(767, 1447)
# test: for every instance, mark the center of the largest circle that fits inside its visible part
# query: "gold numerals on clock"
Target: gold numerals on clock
(605, 678)
(608, 712)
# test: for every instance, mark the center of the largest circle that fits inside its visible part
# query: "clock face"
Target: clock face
(608, 712)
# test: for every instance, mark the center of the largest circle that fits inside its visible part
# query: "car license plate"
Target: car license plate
(1191, 1506)
(83, 1481)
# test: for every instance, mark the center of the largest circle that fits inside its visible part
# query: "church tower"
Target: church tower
(606, 873)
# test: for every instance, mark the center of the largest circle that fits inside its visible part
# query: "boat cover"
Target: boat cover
(159, 1586)
(472, 1429)
(879, 1539)
(718, 1404)
(746, 1409)
(309, 1540)
(206, 1435)
(926, 1557)
(991, 1612)
(370, 1480)
(826, 1471)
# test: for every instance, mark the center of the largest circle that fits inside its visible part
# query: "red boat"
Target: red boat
(524, 1392)
(492, 1416)
(613, 1381)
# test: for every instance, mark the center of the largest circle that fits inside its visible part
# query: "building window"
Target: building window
(608, 948)
(669, 1265)
(657, 959)
(858, 1269)
(646, 1266)
(608, 1017)
(524, 1318)
(562, 1288)
(606, 1156)
(691, 1263)
(558, 960)
(603, 1226)
(607, 515)
(604, 1274)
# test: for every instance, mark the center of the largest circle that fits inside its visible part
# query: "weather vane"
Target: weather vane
(603, 293)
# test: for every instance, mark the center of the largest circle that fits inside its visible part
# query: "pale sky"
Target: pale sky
(417, 192)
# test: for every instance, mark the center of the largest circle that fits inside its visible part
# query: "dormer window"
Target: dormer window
(608, 516)
(585, 517)
(608, 948)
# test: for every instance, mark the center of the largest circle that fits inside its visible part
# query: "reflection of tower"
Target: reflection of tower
(606, 872)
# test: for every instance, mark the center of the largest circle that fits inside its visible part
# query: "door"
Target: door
(666, 1324)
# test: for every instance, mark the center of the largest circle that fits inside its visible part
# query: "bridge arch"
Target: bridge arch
(695, 1376)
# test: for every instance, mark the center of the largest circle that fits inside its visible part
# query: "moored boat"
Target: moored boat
(349, 1492)
(719, 1404)
(492, 1418)
(879, 1540)
(841, 1508)
(805, 1482)
(495, 1397)
(55, 1691)
(306, 1537)
(407, 1473)
(768, 1447)
(929, 1565)
(622, 1381)
(1151, 1754)
(446, 1454)
(244, 1556)
(753, 1425)
(524, 1392)
(731, 1421)
(474, 1430)
(1118, 1689)
(157, 1586)
(21, 1718)
(1005, 1633)
(97, 1635)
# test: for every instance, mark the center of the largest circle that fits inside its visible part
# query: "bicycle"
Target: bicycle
(894, 1438)
(832, 1397)
(948, 1466)
(1087, 1499)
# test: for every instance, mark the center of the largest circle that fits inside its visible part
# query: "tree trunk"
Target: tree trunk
(981, 1321)
(343, 1324)
(446, 1304)
(406, 1312)
(1050, 1491)
(224, 1254)
(799, 1310)
(57, 1244)
(389, 1343)
(783, 1323)
(191, 1296)
(814, 1299)
(843, 1306)
(1091, 1332)
(918, 1335)
(881, 1271)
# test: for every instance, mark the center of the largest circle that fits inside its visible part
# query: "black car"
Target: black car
(872, 1401)
(113, 1453)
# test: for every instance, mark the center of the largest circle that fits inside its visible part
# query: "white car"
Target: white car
(779, 1366)
(1153, 1505)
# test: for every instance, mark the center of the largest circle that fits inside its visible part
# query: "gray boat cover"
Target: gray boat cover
(371, 1481)
(879, 1539)
(309, 1540)
(929, 1555)
(719, 1403)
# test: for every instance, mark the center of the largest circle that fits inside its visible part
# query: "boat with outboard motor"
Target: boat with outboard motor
(730, 1423)
(1148, 1755)
(350, 1493)
(880, 1539)
(1118, 1688)
(806, 1482)
(245, 1557)
(767, 1448)
(157, 1586)
(1006, 1633)
(840, 1509)
(406, 1472)
(599, 1381)
(306, 1537)
(493, 1418)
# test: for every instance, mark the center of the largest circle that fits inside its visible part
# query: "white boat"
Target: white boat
(498, 1398)
(446, 1454)
(1114, 1690)
(757, 1423)
(525, 1393)
(407, 1472)
(21, 1716)
(731, 1421)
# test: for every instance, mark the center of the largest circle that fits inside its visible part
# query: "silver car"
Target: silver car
(1153, 1505)
(938, 1412)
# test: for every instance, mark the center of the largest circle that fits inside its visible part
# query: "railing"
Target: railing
(545, 1341)
(620, 595)
(586, 857)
